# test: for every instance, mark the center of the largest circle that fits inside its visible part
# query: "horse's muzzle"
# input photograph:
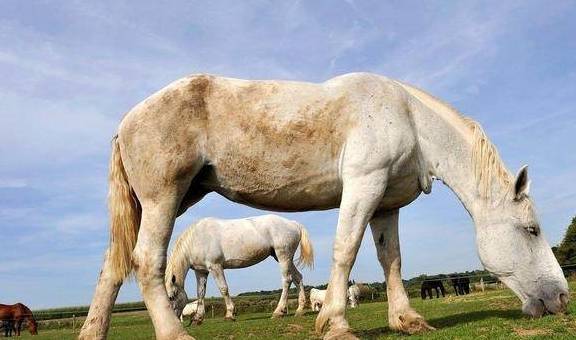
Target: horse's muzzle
(550, 301)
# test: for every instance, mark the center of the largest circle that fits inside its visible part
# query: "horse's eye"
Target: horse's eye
(532, 229)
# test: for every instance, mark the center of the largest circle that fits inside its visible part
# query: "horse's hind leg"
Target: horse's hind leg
(218, 272)
(401, 316)
(297, 277)
(98, 319)
(149, 258)
(201, 279)
(286, 271)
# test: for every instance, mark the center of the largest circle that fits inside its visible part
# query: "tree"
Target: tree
(566, 250)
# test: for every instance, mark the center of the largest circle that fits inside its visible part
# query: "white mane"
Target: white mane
(177, 261)
(485, 159)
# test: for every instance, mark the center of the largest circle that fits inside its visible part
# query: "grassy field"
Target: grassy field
(490, 315)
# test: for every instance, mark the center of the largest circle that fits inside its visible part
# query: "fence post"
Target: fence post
(482, 284)
(73, 323)
(212, 308)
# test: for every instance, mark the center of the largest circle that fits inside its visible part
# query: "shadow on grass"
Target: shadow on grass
(448, 321)
(258, 317)
(461, 318)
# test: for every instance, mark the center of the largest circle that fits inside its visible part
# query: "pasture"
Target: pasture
(489, 315)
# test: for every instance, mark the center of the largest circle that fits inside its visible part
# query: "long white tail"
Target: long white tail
(125, 213)
(306, 250)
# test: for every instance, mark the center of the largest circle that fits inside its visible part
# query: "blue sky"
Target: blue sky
(69, 70)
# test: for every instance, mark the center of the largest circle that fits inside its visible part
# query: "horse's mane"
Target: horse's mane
(485, 159)
(178, 258)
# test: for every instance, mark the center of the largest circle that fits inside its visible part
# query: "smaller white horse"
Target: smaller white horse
(317, 297)
(189, 310)
(354, 295)
(212, 245)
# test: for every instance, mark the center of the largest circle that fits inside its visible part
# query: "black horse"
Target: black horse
(429, 285)
(461, 285)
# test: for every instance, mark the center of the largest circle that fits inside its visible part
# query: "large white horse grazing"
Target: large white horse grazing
(361, 142)
(211, 245)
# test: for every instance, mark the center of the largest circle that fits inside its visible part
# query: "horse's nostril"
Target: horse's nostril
(564, 299)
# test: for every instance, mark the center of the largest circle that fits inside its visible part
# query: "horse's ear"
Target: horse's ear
(173, 279)
(522, 183)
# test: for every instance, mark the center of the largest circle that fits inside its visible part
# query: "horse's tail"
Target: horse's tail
(306, 258)
(125, 213)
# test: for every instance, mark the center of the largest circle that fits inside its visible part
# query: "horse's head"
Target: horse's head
(512, 246)
(32, 326)
(176, 294)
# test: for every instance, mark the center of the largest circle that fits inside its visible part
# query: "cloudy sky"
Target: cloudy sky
(69, 70)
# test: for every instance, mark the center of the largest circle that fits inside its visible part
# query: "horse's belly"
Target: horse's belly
(287, 193)
(244, 253)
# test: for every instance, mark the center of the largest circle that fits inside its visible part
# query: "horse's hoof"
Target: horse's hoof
(229, 318)
(299, 313)
(197, 322)
(278, 315)
(340, 334)
(412, 323)
(184, 336)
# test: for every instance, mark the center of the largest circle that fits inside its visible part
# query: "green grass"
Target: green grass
(490, 315)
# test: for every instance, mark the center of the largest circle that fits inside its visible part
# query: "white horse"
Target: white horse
(190, 310)
(212, 245)
(354, 295)
(361, 142)
(317, 297)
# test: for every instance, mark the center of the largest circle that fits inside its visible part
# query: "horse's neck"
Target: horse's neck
(446, 144)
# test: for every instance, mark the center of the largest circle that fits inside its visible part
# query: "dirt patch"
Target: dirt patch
(294, 328)
(531, 332)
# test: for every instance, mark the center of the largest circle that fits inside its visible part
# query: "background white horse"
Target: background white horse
(189, 310)
(354, 295)
(317, 297)
(360, 142)
(212, 245)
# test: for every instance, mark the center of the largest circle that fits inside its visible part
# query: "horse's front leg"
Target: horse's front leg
(218, 272)
(201, 279)
(401, 316)
(360, 196)
(281, 309)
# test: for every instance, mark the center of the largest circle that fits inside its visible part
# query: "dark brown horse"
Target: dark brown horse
(17, 314)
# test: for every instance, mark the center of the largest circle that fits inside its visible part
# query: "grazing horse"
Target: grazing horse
(211, 245)
(461, 285)
(360, 142)
(16, 315)
(429, 285)
(189, 310)
(317, 297)
(354, 295)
